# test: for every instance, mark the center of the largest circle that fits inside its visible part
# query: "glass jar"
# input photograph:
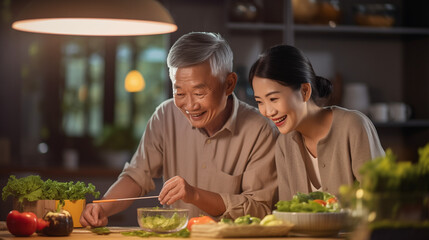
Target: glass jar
(328, 12)
(375, 14)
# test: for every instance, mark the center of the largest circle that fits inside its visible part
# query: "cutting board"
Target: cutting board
(215, 230)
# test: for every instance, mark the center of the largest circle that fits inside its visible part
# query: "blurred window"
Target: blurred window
(83, 90)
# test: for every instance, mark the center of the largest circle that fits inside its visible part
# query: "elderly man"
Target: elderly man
(214, 152)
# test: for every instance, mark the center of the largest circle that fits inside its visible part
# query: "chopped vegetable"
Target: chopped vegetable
(184, 233)
(226, 221)
(247, 219)
(312, 202)
(320, 201)
(271, 220)
(100, 230)
(199, 220)
(162, 223)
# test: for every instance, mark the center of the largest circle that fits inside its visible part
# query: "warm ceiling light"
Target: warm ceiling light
(134, 81)
(95, 17)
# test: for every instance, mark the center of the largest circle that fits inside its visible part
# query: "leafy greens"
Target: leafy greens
(386, 174)
(302, 202)
(33, 188)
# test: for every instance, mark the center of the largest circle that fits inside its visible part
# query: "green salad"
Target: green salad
(312, 202)
(162, 223)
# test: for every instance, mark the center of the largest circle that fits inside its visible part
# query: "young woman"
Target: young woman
(320, 148)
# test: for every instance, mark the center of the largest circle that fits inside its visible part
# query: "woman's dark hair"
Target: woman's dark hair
(288, 66)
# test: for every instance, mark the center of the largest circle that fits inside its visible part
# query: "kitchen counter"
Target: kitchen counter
(81, 234)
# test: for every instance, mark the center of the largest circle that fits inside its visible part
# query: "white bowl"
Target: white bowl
(314, 224)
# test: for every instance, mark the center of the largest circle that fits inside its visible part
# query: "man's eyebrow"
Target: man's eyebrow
(268, 94)
(199, 86)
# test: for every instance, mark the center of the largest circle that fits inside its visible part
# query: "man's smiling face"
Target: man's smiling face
(200, 96)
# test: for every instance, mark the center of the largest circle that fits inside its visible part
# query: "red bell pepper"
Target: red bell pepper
(320, 201)
(21, 224)
(41, 224)
(24, 224)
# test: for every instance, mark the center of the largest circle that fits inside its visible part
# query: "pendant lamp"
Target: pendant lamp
(95, 18)
(134, 81)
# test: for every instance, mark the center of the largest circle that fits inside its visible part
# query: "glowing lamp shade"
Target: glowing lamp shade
(95, 18)
(134, 81)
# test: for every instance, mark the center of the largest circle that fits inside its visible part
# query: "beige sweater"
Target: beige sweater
(351, 141)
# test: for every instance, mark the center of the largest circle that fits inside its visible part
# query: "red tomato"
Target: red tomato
(320, 201)
(332, 200)
(21, 224)
(199, 220)
(41, 224)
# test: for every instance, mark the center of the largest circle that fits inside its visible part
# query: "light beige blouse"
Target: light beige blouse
(237, 162)
(351, 141)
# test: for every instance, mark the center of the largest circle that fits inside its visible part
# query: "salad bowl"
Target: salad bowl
(316, 214)
(314, 224)
(162, 220)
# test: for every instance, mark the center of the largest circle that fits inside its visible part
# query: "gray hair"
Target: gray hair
(197, 47)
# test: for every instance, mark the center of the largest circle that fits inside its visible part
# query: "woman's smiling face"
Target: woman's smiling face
(283, 105)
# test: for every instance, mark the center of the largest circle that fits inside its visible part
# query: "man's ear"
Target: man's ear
(306, 91)
(230, 83)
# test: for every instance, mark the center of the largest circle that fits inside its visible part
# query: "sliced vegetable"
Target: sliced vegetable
(271, 220)
(320, 201)
(199, 220)
(162, 223)
(100, 230)
(184, 233)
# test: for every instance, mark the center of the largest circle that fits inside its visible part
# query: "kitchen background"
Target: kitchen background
(64, 112)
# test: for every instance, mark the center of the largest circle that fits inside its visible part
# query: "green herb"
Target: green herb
(100, 230)
(33, 188)
(184, 233)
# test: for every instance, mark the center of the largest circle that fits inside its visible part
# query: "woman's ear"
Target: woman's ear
(230, 82)
(306, 91)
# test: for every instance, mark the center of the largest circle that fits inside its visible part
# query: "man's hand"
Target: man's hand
(93, 215)
(176, 188)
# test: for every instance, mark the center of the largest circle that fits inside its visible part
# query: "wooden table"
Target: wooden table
(82, 234)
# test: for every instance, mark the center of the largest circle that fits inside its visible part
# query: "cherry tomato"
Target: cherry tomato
(21, 224)
(320, 201)
(199, 220)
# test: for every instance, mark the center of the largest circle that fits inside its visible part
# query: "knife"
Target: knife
(122, 199)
